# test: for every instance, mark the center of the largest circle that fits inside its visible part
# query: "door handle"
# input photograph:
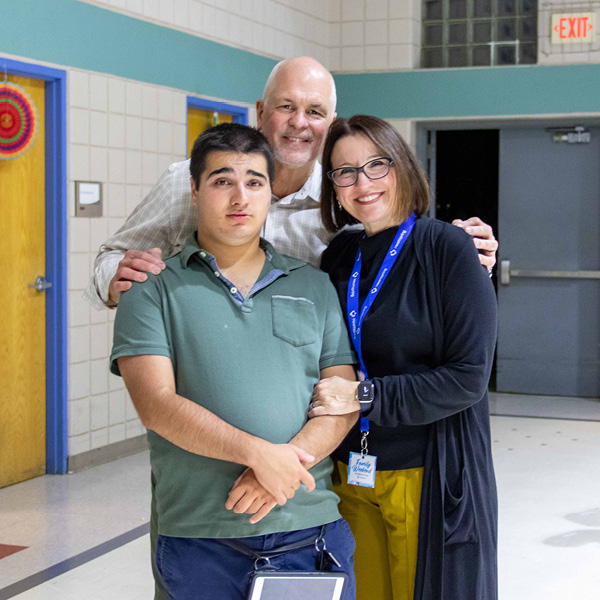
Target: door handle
(506, 273)
(40, 284)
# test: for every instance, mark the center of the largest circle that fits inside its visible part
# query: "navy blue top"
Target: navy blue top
(428, 346)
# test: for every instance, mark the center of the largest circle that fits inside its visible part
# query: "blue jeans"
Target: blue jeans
(205, 569)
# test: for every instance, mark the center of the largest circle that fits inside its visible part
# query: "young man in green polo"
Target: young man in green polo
(220, 354)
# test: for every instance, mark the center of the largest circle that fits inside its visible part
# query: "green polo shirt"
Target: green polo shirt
(252, 361)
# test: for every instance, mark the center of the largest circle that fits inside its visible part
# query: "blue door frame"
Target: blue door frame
(56, 257)
(239, 113)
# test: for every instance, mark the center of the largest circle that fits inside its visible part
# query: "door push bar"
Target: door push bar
(506, 273)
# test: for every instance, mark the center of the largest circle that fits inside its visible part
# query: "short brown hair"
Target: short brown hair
(413, 189)
(229, 137)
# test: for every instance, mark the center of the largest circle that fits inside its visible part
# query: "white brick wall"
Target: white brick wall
(376, 35)
(275, 28)
(345, 35)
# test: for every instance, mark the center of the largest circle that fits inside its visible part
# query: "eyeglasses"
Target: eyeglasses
(374, 169)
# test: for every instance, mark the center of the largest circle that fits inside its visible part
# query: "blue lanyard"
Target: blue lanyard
(356, 317)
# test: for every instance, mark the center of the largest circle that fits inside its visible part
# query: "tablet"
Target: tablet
(277, 585)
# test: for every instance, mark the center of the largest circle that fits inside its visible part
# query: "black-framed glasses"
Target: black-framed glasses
(374, 169)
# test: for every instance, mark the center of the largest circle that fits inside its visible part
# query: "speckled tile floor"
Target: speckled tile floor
(549, 490)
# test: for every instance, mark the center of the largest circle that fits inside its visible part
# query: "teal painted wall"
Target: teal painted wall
(76, 34)
(471, 92)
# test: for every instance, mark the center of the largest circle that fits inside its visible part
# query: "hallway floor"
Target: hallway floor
(85, 535)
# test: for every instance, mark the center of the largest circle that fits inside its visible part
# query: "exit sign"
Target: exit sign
(573, 28)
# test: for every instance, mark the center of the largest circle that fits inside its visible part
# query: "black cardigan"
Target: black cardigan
(428, 345)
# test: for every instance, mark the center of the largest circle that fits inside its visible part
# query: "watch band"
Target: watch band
(364, 394)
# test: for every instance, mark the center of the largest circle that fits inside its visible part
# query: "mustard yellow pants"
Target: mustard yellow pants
(385, 524)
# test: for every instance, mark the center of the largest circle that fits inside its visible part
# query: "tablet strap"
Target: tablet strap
(237, 544)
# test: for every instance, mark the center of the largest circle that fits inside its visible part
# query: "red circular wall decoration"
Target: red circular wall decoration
(18, 121)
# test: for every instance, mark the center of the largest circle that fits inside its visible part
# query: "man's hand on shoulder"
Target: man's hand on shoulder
(248, 496)
(133, 267)
(279, 469)
(483, 238)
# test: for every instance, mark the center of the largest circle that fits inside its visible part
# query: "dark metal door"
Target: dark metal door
(549, 267)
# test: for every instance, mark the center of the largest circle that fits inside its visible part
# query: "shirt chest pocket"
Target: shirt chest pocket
(294, 320)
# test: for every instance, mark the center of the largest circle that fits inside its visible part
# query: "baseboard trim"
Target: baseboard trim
(106, 454)
(545, 407)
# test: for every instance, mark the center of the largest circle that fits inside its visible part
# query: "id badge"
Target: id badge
(361, 469)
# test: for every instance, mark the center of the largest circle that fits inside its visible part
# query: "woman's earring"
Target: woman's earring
(340, 205)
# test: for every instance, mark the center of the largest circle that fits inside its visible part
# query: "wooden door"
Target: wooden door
(200, 120)
(22, 319)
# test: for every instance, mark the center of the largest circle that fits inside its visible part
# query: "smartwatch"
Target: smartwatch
(364, 395)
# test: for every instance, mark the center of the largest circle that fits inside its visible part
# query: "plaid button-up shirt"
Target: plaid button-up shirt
(166, 218)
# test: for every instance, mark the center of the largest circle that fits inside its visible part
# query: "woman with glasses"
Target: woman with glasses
(416, 480)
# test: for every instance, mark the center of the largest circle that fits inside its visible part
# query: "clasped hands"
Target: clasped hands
(279, 471)
(272, 478)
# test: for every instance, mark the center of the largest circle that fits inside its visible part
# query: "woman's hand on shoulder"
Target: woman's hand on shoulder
(334, 396)
(483, 238)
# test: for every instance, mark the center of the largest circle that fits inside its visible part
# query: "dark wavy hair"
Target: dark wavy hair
(229, 137)
(413, 189)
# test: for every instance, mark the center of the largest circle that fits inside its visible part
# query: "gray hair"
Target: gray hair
(271, 79)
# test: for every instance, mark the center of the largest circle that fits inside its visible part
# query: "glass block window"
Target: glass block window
(476, 33)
